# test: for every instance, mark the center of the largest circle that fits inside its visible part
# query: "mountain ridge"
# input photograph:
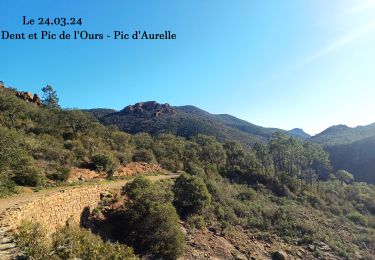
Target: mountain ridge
(343, 134)
(342, 142)
(333, 135)
(154, 118)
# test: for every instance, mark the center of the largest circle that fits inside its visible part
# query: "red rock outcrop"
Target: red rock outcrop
(26, 96)
(150, 108)
(29, 97)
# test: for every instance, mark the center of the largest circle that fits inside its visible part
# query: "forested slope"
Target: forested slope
(186, 121)
(357, 157)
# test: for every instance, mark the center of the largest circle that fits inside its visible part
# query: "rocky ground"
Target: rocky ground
(237, 244)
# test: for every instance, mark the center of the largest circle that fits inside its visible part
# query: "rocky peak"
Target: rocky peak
(149, 108)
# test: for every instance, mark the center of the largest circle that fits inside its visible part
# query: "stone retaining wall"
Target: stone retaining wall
(52, 211)
(55, 209)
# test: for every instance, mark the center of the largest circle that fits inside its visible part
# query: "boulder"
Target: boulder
(29, 97)
(24, 95)
(36, 100)
(279, 255)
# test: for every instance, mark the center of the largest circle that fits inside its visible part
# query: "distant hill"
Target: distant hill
(99, 112)
(231, 121)
(352, 149)
(342, 134)
(155, 118)
(349, 148)
(357, 157)
(298, 132)
(187, 121)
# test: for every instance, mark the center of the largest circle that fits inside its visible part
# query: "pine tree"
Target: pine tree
(50, 98)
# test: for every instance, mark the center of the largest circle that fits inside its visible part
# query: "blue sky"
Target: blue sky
(286, 64)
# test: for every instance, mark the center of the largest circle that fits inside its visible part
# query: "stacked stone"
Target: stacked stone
(52, 212)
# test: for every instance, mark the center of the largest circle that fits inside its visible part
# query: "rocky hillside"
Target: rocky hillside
(25, 96)
(154, 118)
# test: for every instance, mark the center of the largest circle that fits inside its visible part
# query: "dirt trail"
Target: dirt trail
(32, 196)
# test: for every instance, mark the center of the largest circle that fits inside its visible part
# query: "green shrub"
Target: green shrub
(74, 242)
(29, 177)
(194, 169)
(335, 209)
(358, 218)
(191, 195)
(104, 162)
(284, 222)
(71, 242)
(170, 165)
(124, 157)
(312, 199)
(161, 233)
(7, 186)
(14, 161)
(61, 174)
(247, 194)
(137, 188)
(32, 240)
(150, 222)
(77, 148)
(344, 176)
(144, 155)
(196, 221)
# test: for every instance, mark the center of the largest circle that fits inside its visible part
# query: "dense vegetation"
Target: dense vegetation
(281, 189)
(70, 242)
(147, 221)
